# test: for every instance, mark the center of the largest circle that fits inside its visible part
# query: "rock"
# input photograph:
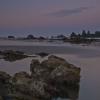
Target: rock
(38, 87)
(4, 77)
(21, 85)
(24, 84)
(52, 78)
(35, 64)
(37, 70)
(53, 62)
(21, 78)
(10, 55)
(21, 75)
(55, 68)
(42, 54)
(57, 75)
(24, 98)
(64, 74)
(4, 83)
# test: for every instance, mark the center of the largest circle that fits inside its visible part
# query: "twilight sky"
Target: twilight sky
(21, 17)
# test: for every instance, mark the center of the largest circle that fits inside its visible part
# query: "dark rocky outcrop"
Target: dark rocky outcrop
(4, 77)
(57, 74)
(17, 87)
(4, 83)
(42, 54)
(52, 78)
(10, 55)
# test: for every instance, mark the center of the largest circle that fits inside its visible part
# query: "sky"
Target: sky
(48, 17)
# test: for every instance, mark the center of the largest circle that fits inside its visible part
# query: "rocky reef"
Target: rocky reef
(51, 78)
(42, 54)
(11, 56)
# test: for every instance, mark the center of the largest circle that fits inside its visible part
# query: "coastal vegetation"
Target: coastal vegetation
(77, 38)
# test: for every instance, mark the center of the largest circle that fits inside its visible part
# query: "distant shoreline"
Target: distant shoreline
(36, 42)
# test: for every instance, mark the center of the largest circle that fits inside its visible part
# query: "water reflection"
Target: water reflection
(83, 52)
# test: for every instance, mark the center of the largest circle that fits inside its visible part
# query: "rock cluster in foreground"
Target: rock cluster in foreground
(49, 79)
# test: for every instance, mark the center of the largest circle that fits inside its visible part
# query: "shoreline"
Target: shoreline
(44, 43)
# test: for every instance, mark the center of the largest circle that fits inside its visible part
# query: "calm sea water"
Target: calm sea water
(85, 57)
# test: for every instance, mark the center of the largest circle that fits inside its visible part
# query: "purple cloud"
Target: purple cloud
(67, 12)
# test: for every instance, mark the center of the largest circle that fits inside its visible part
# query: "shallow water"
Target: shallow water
(90, 72)
(85, 57)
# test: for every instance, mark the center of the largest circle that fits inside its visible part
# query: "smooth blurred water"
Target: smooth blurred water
(85, 57)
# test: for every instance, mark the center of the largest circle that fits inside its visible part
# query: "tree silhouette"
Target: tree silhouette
(73, 35)
(84, 34)
(30, 37)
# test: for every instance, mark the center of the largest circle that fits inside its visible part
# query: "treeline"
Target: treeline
(29, 37)
(73, 36)
(85, 34)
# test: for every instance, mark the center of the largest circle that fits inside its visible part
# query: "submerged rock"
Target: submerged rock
(10, 55)
(42, 54)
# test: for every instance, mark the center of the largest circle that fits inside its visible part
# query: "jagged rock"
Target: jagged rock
(21, 82)
(21, 86)
(37, 70)
(65, 74)
(24, 84)
(52, 78)
(55, 68)
(21, 78)
(57, 74)
(4, 77)
(38, 87)
(4, 83)
(53, 61)
(35, 64)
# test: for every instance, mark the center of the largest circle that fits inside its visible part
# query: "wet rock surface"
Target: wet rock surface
(52, 78)
(42, 54)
